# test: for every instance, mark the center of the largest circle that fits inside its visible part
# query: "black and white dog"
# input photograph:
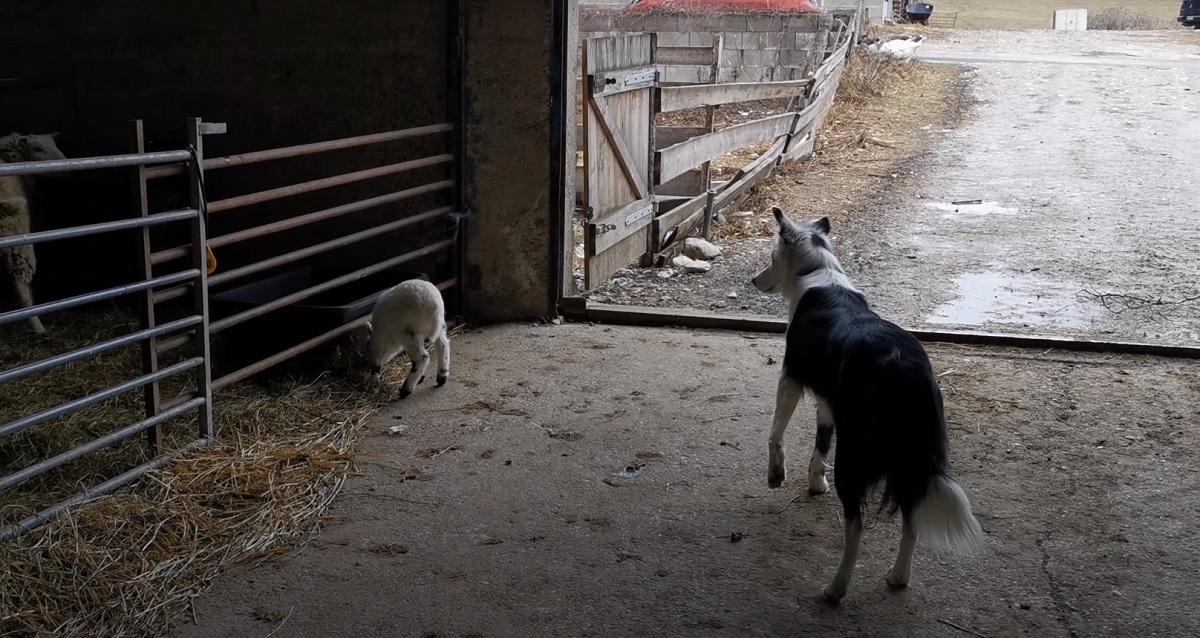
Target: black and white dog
(875, 388)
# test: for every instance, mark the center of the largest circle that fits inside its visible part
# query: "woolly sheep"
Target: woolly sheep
(403, 318)
(18, 262)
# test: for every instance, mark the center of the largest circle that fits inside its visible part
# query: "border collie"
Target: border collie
(874, 387)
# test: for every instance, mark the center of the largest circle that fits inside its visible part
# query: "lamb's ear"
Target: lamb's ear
(820, 225)
(53, 135)
(370, 329)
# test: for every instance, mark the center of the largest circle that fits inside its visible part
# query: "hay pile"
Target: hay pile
(129, 563)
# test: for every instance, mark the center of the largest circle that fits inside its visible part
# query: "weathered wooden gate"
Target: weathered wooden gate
(618, 126)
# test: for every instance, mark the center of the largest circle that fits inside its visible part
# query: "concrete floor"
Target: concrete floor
(499, 512)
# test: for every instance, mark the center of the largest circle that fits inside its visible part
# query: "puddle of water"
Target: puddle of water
(971, 207)
(1012, 299)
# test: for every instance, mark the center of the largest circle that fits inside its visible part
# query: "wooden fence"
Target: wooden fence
(645, 187)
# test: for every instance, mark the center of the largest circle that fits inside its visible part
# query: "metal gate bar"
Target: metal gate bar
(196, 322)
(445, 214)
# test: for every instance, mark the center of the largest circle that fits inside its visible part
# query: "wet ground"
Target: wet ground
(612, 482)
(1067, 203)
(1070, 203)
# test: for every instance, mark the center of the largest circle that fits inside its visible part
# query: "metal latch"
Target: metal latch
(640, 78)
(633, 217)
(605, 228)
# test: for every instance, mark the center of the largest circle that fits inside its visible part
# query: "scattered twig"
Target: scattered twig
(1120, 302)
(718, 418)
(961, 628)
(789, 503)
(439, 453)
(280, 625)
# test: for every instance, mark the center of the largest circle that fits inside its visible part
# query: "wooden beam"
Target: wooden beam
(686, 318)
(750, 175)
(685, 56)
(665, 136)
(689, 184)
(678, 98)
(674, 160)
(678, 215)
(620, 149)
(606, 232)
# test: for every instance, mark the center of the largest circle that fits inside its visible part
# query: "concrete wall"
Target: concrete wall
(758, 47)
(278, 72)
(509, 160)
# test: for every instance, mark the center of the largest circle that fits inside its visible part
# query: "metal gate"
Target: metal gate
(191, 327)
(618, 127)
(188, 274)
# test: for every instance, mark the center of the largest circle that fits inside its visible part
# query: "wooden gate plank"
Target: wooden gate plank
(677, 159)
(618, 151)
(678, 98)
(625, 158)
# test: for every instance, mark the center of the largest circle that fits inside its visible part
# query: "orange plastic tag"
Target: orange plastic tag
(211, 258)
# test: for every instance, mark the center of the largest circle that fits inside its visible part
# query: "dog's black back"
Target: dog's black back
(879, 383)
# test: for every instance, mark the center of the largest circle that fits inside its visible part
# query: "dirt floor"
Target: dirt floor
(611, 481)
(1083, 164)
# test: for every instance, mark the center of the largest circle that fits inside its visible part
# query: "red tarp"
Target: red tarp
(728, 5)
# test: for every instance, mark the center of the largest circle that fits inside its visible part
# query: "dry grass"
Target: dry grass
(874, 128)
(128, 564)
(867, 77)
(1124, 19)
(1037, 14)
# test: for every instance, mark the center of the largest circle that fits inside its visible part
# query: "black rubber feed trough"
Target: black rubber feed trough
(280, 329)
(918, 12)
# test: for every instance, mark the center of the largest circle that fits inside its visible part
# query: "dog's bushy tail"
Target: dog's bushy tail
(943, 518)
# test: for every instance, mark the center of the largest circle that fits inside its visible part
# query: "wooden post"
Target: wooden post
(710, 112)
(708, 213)
(152, 398)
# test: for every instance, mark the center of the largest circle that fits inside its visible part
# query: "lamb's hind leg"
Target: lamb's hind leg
(414, 345)
(817, 466)
(787, 395)
(441, 346)
(24, 293)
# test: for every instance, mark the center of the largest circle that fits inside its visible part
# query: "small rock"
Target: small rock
(665, 274)
(691, 265)
(742, 214)
(732, 295)
(397, 430)
(735, 537)
(697, 248)
(662, 573)
(579, 251)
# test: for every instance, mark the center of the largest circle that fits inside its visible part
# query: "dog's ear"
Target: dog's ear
(787, 229)
(820, 225)
(780, 218)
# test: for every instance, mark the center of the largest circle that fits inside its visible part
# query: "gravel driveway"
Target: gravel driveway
(1085, 158)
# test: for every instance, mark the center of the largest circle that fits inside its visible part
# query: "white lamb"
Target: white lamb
(403, 318)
